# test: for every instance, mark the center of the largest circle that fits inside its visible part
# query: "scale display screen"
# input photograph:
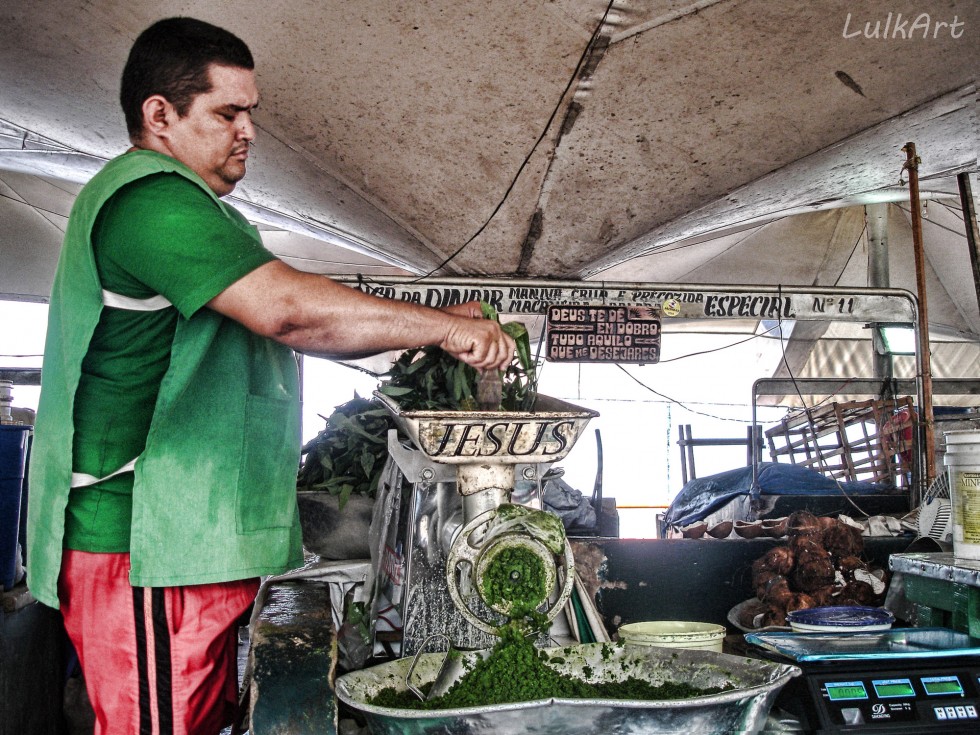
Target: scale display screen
(942, 685)
(839, 691)
(886, 688)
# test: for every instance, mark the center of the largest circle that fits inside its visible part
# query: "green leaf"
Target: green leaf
(468, 379)
(367, 463)
(457, 378)
(394, 391)
(523, 341)
(414, 366)
(345, 424)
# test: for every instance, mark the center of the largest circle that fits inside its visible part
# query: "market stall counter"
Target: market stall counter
(682, 579)
(294, 647)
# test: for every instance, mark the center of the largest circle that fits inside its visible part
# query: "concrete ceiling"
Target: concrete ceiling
(564, 138)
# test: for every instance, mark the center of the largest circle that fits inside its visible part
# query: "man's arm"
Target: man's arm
(313, 313)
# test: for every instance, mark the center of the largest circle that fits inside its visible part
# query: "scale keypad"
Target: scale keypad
(968, 712)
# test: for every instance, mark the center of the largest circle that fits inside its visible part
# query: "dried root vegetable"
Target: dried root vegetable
(778, 559)
(814, 568)
(803, 523)
(842, 540)
(819, 565)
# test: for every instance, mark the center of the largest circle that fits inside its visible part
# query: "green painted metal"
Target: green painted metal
(294, 654)
(943, 603)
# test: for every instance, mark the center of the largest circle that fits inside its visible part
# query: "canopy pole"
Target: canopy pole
(876, 222)
(927, 430)
(970, 221)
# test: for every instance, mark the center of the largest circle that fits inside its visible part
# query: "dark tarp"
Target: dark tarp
(704, 495)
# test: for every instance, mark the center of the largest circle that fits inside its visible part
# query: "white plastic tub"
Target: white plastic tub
(963, 465)
(674, 634)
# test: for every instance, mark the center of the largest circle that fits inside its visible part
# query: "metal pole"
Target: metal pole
(926, 421)
(876, 222)
(970, 221)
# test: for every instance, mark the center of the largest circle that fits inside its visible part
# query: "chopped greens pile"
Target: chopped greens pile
(517, 671)
(515, 577)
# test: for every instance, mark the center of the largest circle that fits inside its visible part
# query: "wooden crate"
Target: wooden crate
(858, 440)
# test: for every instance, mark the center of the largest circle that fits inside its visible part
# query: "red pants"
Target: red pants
(156, 660)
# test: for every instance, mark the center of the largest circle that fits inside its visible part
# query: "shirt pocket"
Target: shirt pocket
(267, 484)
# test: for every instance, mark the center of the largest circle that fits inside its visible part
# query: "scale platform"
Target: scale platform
(903, 680)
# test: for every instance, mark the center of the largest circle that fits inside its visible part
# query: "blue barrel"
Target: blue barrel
(13, 456)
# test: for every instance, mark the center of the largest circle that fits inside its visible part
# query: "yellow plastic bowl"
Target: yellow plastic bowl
(674, 634)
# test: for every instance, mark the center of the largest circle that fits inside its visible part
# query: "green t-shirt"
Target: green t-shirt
(158, 235)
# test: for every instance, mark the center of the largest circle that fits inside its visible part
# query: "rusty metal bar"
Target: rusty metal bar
(927, 423)
(970, 222)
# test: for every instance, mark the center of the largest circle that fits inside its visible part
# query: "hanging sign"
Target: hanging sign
(603, 334)
(690, 301)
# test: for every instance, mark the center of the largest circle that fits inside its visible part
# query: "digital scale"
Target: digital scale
(903, 680)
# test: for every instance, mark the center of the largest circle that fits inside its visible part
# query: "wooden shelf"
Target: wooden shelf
(858, 440)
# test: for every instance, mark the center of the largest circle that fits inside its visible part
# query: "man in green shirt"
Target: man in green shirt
(167, 437)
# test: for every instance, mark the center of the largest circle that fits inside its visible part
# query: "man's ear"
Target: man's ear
(157, 112)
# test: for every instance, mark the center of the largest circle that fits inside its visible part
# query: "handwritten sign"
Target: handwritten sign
(677, 301)
(603, 334)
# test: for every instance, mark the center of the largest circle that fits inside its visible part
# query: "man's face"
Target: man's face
(214, 136)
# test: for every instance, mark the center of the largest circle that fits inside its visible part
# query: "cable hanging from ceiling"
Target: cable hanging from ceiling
(544, 132)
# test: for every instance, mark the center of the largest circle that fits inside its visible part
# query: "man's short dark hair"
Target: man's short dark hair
(172, 58)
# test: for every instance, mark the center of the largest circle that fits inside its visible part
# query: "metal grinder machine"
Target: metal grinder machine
(458, 537)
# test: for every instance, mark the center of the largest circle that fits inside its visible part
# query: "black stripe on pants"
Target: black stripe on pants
(142, 663)
(161, 634)
(161, 651)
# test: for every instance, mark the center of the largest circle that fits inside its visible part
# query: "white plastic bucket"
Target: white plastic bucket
(674, 634)
(963, 464)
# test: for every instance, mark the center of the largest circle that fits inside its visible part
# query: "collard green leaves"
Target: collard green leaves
(428, 379)
(348, 455)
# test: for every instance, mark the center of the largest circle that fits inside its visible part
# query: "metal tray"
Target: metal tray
(897, 643)
(743, 709)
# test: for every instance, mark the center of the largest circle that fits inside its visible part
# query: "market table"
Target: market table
(945, 589)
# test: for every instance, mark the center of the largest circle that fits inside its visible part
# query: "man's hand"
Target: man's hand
(480, 343)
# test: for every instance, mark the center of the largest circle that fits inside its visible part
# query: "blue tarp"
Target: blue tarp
(704, 495)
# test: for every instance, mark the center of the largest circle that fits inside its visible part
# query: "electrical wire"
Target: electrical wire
(792, 377)
(719, 349)
(854, 248)
(37, 209)
(908, 211)
(527, 158)
(668, 399)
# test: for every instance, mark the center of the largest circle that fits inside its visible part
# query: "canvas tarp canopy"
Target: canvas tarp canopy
(727, 141)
